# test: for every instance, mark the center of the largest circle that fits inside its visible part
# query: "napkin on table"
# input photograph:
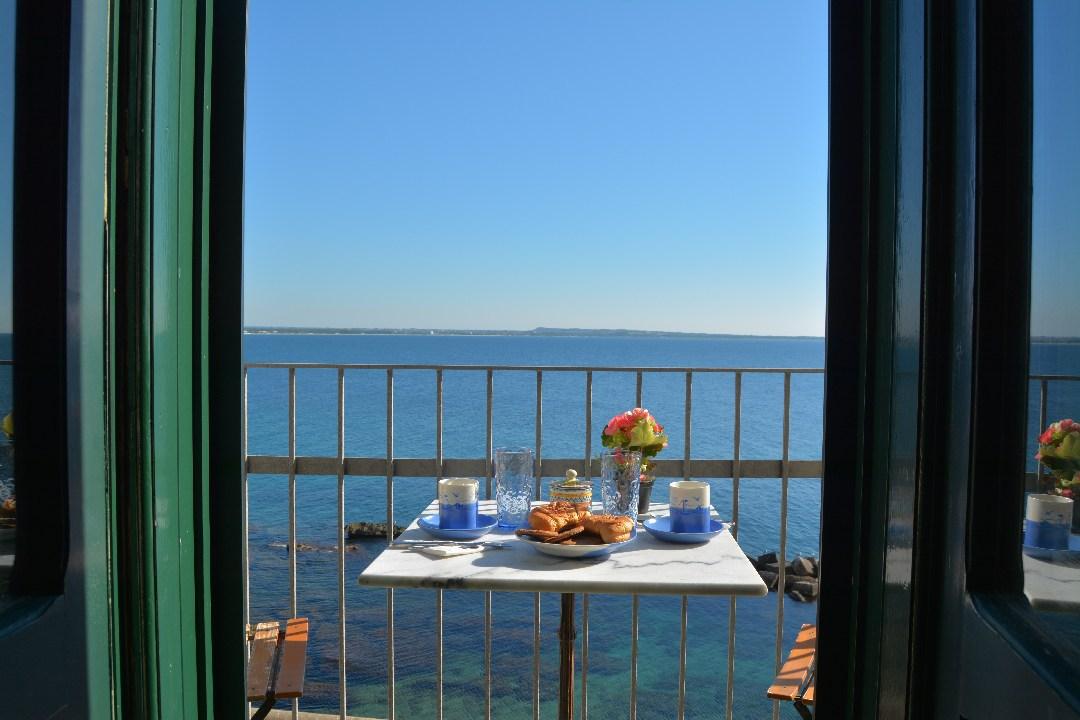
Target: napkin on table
(445, 551)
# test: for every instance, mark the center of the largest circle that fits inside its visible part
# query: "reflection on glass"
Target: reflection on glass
(7, 420)
(1051, 523)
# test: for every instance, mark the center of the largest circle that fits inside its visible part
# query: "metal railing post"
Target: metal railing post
(342, 686)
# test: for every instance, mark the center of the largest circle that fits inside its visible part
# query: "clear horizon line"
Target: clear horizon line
(540, 330)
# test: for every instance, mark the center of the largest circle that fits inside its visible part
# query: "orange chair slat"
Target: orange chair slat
(793, 673)
(263, 643)
(290, 679)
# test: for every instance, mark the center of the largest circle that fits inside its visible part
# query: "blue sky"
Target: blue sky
(507, 164)
(1055, 207)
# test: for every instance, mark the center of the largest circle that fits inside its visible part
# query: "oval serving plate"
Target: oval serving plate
(579, 552)
(660, 528)
(484, 525)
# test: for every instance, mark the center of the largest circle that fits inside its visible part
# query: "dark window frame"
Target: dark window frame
(39, 287)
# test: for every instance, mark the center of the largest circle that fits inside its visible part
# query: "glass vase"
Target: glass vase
(620, 482)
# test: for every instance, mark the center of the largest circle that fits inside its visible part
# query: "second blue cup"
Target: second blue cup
(457, 502)
(689, 506)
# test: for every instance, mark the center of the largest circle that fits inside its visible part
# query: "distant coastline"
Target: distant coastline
(535, 332)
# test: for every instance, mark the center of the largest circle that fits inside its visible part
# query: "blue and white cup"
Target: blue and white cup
(457, 502)
(1047, 521)
(689, 501)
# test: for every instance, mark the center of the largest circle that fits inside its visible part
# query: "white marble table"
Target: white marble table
(1054, 584)
(644, 566)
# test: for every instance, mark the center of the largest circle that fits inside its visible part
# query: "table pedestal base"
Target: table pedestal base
(567, 637)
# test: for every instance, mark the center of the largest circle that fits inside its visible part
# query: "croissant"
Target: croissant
(556, 516)
(610, 528)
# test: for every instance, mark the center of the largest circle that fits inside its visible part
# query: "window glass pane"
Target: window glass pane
(1051, 523)
(7, 445)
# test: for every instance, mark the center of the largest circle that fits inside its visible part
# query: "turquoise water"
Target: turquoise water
(563, 436)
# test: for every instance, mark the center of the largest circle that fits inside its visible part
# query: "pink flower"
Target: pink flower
(1047, 436)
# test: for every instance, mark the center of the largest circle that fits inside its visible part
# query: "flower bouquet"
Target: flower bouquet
(1059, 451)
(637, 430)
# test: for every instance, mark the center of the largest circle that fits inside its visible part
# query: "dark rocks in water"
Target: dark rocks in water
(800, 575)
(358, 530)
(806, 589)
(306, 547)
(804, 566)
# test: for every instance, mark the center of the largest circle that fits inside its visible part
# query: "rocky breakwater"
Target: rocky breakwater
(800, 575)
(360, 530)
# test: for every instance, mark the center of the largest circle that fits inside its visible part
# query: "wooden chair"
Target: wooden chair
(276, 662)
(795, 683)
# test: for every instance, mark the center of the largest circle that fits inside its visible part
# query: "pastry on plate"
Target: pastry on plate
(610, 528)
(556, 516)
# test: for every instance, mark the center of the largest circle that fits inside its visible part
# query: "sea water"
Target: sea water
(514, 410)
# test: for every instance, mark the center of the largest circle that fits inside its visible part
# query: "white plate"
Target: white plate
(578, 551)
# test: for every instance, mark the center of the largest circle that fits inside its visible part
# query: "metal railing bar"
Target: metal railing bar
(1042, 426)
(244, 527)
(550, 467)
(782, 553)
(736, 450)
(688, 399)
(292, 492)
(390, 690)
(487, 595)
(438, 429)
(439, 592)
(342, 680)
(536, 599)
(549, 368)
(490, 428)
(439, 654)
(539, 430)
(682, 658)
(244, 521)
(487, 655)
(585, 656)
(536, 657)
(588, 424)
(1044, 376)
(585, 597)
(635, 601)
(292, 509)
(687, 406)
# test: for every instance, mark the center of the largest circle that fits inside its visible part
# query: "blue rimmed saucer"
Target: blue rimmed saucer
(660, 528)
(484, 525)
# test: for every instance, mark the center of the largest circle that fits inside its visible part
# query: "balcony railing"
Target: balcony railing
(391, 467)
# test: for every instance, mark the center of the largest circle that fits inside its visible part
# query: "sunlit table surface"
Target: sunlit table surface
(1054, 584)
(645, 566)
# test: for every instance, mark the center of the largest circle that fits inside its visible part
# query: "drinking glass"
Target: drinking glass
(513, 485)
(620, 481)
